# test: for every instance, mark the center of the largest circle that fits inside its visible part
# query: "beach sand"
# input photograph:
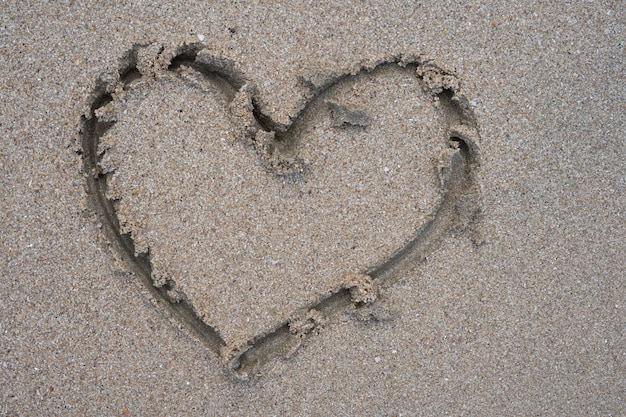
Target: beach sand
(331, 209)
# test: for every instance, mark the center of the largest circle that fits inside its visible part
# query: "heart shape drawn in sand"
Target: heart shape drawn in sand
(255, 233)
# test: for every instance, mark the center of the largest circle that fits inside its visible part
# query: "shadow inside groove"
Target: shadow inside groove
(280, 341)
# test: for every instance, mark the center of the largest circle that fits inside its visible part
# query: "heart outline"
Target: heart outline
(461, 200)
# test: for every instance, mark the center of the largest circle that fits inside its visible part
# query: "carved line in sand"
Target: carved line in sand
(459, 205)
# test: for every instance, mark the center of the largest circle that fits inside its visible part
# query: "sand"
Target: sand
(338, 209)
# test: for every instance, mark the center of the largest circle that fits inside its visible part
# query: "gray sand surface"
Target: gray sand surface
(519, 311)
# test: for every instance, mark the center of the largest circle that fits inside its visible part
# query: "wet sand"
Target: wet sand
(373, 209)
